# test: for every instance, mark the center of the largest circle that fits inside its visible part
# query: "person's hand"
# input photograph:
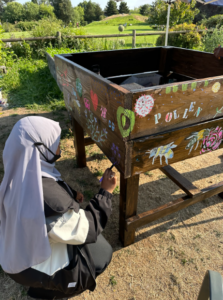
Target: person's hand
(109, 181)
(80, 197)
(218, 52)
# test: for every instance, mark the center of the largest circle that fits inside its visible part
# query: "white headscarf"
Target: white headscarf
(23, 233)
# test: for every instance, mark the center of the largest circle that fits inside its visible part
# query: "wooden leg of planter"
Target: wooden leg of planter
(128, 207)
(79, 144)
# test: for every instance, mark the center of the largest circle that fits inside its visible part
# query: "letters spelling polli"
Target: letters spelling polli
(174, 115)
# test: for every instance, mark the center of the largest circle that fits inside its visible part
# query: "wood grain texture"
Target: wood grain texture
(195, 63)
(79, 144)
(155, 151)
(119, 62)
(127, 207)
(93, 102)
(181, 181)
(171, 207)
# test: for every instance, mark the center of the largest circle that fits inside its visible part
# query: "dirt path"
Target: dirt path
(170, 256)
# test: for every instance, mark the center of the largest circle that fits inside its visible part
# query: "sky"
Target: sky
(131, 3)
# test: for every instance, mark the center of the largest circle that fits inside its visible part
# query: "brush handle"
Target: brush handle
(110, 169)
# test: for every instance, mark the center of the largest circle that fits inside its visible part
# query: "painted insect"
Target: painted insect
(196, 137)
(161, 151)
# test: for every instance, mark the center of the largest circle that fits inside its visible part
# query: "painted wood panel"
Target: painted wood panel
(94, 103)
(163, 149)
(176, 105)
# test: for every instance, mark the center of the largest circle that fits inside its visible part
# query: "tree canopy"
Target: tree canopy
(63, 10)
(30, 11)
(13, 12)
(123, 8)
(111, 8)
(92, 11)
(180, 13)
(144, 9)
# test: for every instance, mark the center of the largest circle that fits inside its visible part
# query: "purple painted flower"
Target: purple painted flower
(213, 140)
(95, 119)
(105, 131)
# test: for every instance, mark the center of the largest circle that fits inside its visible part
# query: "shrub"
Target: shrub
(22, 49)
(212, 40)
(26, 26)
(192, 39)
(213, 21)
(121, 28)
(8, 27)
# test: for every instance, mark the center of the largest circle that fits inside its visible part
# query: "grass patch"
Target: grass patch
(88, 194)
(29, 84)
(116, 190)
(112, 281)
(150, 174)
(98, 173)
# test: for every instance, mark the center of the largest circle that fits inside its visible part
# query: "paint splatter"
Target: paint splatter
(175, 88)
(116, 156)
(216, 87)
(193, 85)
(161, 151)
(87, 103)
(103, 112)
(79, 87)
(168, 89)
(184, 87)
(144, 105)
(94, 99)
(131, 118)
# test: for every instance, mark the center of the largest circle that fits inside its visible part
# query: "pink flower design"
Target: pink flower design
(87, 103)
(213, 140)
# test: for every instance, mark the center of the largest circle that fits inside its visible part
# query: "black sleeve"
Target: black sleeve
(97, 212)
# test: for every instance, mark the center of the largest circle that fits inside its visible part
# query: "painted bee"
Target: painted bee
(162, 151)
(196, 137)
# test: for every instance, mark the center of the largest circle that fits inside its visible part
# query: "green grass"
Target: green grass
(116, 21)
(29, 83)
(16, 34)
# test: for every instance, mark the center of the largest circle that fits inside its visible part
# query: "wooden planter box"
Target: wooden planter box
(140, 126)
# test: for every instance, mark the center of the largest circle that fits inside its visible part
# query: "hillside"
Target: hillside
(120, 19)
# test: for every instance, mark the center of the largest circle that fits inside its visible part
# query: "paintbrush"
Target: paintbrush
(110, 169)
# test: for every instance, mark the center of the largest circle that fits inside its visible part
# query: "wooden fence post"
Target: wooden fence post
(59, 37)
(133, 38)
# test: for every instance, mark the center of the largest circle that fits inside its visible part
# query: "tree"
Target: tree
(92, 11)
(30, 11)
(111, 8)
(144, 9)
(13, 12)
(180, 13)
(123, 8)
(78, 15)
(35, 1)
(46, 11)
(3, 3)
(63, 10)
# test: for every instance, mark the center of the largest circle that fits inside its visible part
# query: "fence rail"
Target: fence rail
(133, 35)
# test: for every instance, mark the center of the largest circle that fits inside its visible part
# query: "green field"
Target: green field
(110, 26)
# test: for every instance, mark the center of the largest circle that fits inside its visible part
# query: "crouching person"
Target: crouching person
(47, 242)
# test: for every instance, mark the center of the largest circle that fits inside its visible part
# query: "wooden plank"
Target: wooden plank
(181, 181)
(164, 66)
(79, 144)
(177, 104)
(88, 141)
(120, 62)
(171, 207)
(127, 207)
(195, 63)
(93, 101)
(156, 151)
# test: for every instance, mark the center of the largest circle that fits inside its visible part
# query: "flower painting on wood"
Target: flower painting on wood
(210, 138)
(144, 105)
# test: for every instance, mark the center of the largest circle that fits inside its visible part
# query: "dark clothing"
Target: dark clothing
(91, 253)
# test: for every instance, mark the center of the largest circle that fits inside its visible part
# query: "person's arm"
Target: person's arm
(82, 226)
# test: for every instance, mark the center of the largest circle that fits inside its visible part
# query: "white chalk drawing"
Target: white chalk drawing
(96, 134)
(161, 151)
(144, 105)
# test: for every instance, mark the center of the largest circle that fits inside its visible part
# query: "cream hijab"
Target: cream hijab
(23, 233)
